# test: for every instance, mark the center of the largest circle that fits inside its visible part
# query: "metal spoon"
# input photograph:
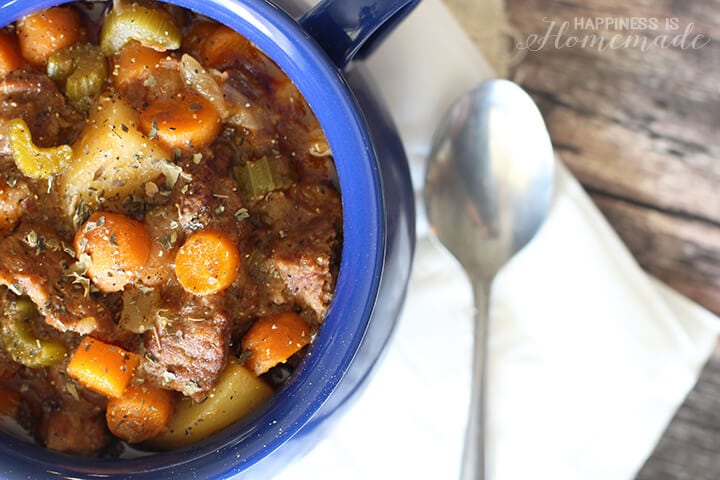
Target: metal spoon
(488, 187)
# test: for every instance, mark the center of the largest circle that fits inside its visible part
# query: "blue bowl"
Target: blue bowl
(378, 245)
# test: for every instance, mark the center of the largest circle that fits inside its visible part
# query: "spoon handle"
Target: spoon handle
(473, 462)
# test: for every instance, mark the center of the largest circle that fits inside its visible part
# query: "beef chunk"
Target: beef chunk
(301, 253)
(64, 415)
(7, 366)
(189, 351)
(75, 429)
(74, 420)
(300, 266)
(35, 263)
(15, 198)
(209, 201)
(35, 98)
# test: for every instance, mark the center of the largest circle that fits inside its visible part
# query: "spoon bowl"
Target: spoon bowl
(488, 188)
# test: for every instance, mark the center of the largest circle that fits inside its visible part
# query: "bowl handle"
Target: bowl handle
(349, 29)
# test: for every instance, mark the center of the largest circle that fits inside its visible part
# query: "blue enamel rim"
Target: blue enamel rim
(244, 444)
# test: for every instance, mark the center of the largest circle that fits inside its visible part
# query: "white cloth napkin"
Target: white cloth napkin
(589, 358)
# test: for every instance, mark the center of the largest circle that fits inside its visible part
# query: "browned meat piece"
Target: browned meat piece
(188, 347)
(163, 82)
(75, 423)
(197, 204)
(7, 366)
(14, 202)
(301, 254)
(75, 429)
(64, 415)
(35, 98)
(188, 353)
(34, 263)
(209, 201)
(246, 92)
(162, 224)
(291, 209)
(301, 263)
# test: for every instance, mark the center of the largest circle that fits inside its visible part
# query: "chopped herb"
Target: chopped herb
(15, 288)
(72, 390)
(171, 172)
(244, 357)
(168, 377)
(168, 241)
(229, 132)
(31, 239)
(83, 281)
(191, 388)
(81, 266)
(150, 82)
(70, 251)
(53, 244)
(151, 189)
(242, 214)
(83, 244)
(81, 214)
(152, 134)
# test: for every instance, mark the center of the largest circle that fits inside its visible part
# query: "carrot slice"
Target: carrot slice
(187, 121)
(42, 33)
(135, 63)
(222, 47)
(141, 413)
(273, 339)
(118, 247)
(10, 58)
(196, 37)
(207, 263)
(102, 367)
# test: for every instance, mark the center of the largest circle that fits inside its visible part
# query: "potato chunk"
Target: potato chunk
(112, 159)
(238, 392)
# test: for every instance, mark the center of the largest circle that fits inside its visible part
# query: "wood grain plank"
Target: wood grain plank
(641, 124)
(637, 125)
(639, 128)
(689, 448)
(678, 250)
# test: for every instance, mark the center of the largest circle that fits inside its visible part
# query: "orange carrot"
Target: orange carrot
(47, 31)
(141, 413)
(223, 46)
(10, 58)
(135, 63)
(102, 367)
(207, 263)
(118, 247)
(273, 339)
(9, 402)
(197, 35)
(187, 121)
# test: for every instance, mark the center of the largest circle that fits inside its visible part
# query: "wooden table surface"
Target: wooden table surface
(638, 122)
